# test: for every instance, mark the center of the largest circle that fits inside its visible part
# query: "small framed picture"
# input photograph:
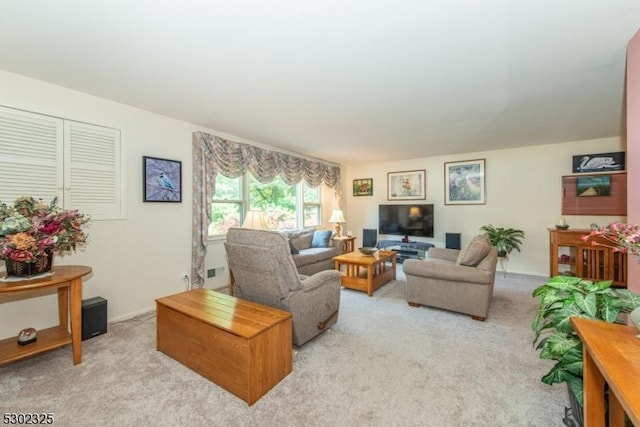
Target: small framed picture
(464, 182)
(162, 180)
(407, 185)
(363, 187)
(593, 186)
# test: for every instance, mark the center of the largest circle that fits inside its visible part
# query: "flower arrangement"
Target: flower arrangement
(621, 237)
(31, 229)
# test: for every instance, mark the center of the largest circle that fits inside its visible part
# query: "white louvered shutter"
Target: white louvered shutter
(46, 157)
(93, 170)
(30, 156)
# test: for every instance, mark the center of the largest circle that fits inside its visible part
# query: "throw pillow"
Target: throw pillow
(294, 250)
(475, 251)
(321, 239)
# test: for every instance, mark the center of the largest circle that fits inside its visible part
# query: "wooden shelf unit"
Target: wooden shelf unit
(570, 255)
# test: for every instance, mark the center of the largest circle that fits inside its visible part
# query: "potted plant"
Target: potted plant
(31, 231)
(562, 297)
(504, 239)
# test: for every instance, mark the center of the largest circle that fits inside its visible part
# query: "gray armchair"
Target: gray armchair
(460, 281)
(263, 271)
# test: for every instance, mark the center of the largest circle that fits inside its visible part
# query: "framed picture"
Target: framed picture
(162, 180)
(407, 185)
(593, 185)
(603, 162)
(363, 187)
(464, 182)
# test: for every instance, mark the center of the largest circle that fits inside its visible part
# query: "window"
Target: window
(227, 208)
(46, 157)
(311, 205)
(281, 203)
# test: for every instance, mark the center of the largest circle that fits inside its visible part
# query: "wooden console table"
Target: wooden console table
(611, 354)
(68, 280)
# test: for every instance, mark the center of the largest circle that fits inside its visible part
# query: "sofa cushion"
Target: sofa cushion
(321, 239)
(475, 251)
(292, 247)
(302, 239)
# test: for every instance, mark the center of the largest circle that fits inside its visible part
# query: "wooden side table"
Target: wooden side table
(348, 243)
(68, 280)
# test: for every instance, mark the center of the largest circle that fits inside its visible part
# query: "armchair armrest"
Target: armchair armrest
(321, 279)
(446, 271)
(443, 253)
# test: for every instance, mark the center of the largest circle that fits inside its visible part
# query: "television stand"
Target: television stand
(405, 250)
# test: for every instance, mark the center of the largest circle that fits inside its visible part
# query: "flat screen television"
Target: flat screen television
(406, 220)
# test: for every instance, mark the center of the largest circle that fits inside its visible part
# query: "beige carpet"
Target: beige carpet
(383, 364)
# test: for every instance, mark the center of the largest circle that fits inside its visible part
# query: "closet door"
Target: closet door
(93, 170)
(31, 150)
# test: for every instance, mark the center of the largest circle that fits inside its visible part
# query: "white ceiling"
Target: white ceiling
(351, 81)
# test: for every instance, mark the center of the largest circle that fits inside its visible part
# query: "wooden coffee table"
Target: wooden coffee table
(366, 272)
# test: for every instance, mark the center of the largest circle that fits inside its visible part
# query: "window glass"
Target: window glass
(227, 205)
(279, 202)
(276, 199)
(311, 205)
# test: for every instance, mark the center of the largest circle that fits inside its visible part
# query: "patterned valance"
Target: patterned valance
(213, 155)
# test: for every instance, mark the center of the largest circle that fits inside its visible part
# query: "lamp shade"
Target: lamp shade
(336, 216)
(254, 219)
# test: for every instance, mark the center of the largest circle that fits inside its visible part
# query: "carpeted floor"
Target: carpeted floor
(383, 364)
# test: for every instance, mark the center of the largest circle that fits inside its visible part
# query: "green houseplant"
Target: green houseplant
(562, 297)
(504, 239)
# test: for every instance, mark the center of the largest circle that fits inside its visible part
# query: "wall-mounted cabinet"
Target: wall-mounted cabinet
(571, 256)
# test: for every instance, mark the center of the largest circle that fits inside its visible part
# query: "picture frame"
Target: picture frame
(593, 185)
(464, 182)
(601, 162)
(363, 187)
(407, 185)
(162, 180)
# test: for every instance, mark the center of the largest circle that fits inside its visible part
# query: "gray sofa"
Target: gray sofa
(454, 280)
(263, 271)
(313, 250)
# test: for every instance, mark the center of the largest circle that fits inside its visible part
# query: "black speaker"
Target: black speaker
(94, 317)
(369, 237)
(452, 240)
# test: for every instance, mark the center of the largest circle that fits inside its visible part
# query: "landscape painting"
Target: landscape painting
(593, 186)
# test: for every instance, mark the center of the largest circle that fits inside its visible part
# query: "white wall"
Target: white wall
(523, 190)
(142, 257)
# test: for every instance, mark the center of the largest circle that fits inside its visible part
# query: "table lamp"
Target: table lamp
(338, 219)
(255, 220)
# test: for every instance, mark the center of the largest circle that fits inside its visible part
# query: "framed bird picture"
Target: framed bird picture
(162, 180)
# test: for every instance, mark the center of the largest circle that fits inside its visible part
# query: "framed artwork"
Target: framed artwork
(593, 185)
(464, 182)
(407, 185)
(162, 180)
(603, 162)
(363, 187)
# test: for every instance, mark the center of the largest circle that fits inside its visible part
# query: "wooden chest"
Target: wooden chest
(242, 346)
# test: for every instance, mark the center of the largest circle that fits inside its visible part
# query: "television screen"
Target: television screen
(406, 220)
